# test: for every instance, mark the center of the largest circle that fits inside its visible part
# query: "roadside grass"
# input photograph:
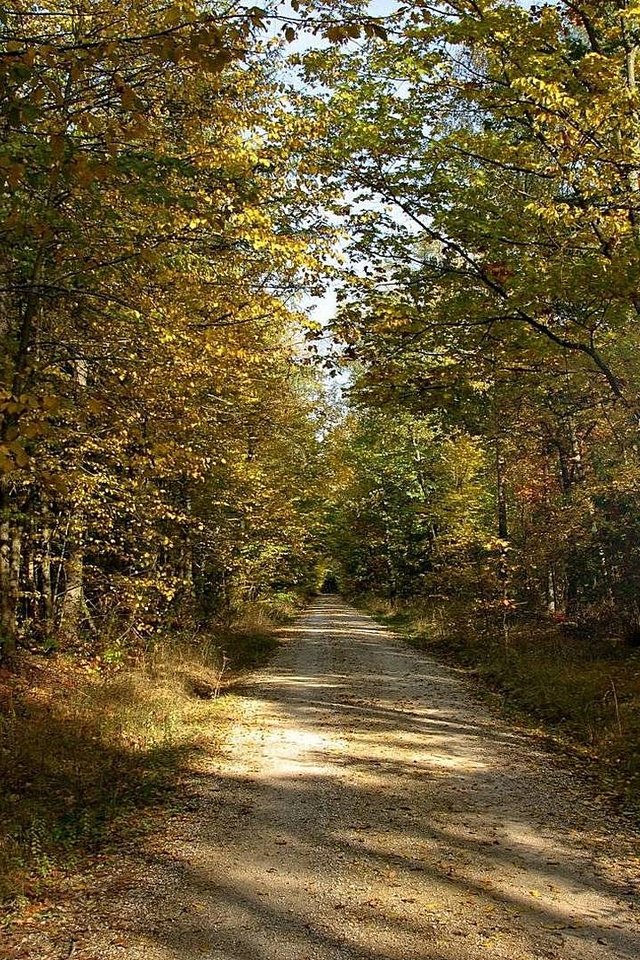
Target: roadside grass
(86, 747)
(585, 694)
(252, 637)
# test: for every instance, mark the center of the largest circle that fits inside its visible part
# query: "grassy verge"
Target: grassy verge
(584, 694)
(85, 747)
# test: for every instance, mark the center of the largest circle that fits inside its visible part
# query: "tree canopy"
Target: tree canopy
(175, 176)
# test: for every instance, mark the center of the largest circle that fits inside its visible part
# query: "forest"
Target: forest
(193, 441)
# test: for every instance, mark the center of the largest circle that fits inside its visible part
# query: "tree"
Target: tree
(155, 226)
(488, 153)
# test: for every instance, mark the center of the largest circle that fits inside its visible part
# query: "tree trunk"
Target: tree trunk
(73, 609)
(501, 495)
(46, 587)
(503, 535)
(10, 547)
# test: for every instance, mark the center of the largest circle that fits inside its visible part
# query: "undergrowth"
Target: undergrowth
(585, 693)
(86, 746)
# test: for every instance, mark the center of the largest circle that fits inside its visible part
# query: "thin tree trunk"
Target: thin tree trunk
(503, 535)
(73, 605)
(31, 605)
(9, 581)
(48, 609)
(501, 494)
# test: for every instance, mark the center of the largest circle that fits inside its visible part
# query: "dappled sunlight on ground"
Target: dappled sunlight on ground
(366, 807)
(385, 815)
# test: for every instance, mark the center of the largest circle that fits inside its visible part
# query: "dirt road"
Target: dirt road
(367, 807)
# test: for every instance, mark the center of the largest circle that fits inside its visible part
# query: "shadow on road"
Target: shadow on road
(371, 810)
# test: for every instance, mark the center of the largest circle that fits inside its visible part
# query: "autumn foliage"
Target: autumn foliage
(176, 178)
(156, 426)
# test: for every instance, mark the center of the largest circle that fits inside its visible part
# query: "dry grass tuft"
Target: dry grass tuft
(83, 746)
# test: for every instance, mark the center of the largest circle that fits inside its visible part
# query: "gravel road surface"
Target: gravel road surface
(366, 806)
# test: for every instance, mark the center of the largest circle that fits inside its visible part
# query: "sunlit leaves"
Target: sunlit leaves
(155, 233)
